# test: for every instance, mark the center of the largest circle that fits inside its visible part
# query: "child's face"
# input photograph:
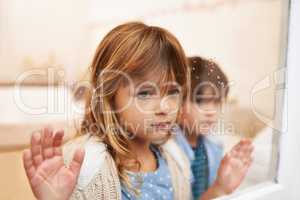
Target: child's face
(145, 112)
(201, 115)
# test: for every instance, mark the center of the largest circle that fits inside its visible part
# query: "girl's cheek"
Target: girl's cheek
(196, 117)
(174, 104)
(146, 106)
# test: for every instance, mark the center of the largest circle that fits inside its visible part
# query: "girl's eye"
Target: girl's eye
(174, 92)
(144, 94)
(204, 100)
(199, 100)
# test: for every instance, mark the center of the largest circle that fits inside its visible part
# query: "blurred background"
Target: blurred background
(46, 48)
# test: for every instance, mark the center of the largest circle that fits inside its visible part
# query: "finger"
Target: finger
(250, 149)
(224, 165)
(247, 149)
(226, 159)
(249, 162)
(244, 149)
(247, 166)
(227, 156)
(36, 149)
(237, 147)
(243, 143)
(57, 142)
(245, 160)
(77, 161)
(234, 151)
(28, 164)
(47, 141)
(245, 140)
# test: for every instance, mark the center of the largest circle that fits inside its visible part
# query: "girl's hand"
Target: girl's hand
(234, 167)
(49, 178)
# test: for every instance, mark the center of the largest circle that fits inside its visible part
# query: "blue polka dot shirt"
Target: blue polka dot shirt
(153, 185)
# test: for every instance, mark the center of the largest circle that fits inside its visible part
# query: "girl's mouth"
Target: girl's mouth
(161, 125)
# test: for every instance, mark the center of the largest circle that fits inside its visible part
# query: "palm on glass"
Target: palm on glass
(48, 176)
(234, 166)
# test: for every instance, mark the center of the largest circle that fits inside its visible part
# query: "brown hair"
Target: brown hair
(207, 74)
(134, 49)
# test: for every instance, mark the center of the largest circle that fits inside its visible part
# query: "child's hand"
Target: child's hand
(49, 178)
(234, 167)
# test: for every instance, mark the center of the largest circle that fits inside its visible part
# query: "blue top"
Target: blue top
(214, 154)
(153, 185)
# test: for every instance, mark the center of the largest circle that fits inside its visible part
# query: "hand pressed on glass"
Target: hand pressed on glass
(232, 171)
(48, 176)
(235, 165)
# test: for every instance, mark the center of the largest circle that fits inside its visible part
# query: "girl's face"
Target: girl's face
(148, 109)
(201, 115)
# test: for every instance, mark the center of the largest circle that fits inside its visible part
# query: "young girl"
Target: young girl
(139, 79)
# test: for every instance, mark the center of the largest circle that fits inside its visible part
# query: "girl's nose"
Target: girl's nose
(163, 107)
(161, 110)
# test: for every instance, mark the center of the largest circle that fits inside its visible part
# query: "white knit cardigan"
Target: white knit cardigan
(98, 178)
